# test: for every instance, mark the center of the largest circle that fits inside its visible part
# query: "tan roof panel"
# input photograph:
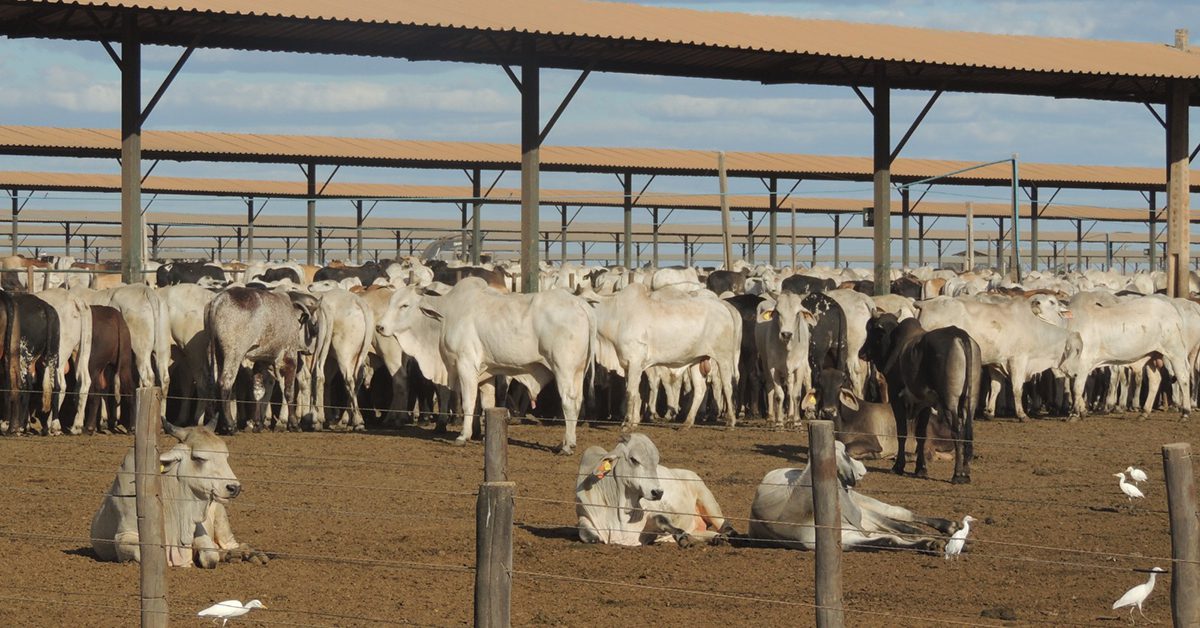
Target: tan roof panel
(192, 145)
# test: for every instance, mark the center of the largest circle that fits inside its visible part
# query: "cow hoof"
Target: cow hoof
(898, 469)
(1142, 416)
(461, 441)
(961, 479)
(360, 428)
(566, 451)
(684, 541)
(921, 473)
(1022, 418)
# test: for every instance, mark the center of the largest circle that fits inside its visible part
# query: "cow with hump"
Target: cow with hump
(625, 497)
(196, 482)
(782, 513)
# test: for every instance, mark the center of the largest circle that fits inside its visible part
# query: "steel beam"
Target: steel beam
(837, 242)
(530, 175)
(883, 182)
(132, 234)
(562, 237)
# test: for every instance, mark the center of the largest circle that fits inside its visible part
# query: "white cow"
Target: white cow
(347, 335)
(858, 308)
(75, 339)
(1016, 337)
(782, 512)
(639, 329)
(533, 338)
(196, 483)
(185, 304)
(625, 497)
(782, 338)
(386, 351)
(149, 328)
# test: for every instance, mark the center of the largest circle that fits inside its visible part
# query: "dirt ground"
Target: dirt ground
(378, 528)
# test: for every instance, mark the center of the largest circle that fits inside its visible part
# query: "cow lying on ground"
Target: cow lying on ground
(196, 483)
(782, 513)
(624, 497)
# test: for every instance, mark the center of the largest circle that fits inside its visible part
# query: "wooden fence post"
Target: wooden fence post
(493, 528)
(149, 508)
(827, 515)
(1185, 534)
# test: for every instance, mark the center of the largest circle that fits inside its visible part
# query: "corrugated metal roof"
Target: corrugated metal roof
(74, 182)
(631, 38)
(191, 145)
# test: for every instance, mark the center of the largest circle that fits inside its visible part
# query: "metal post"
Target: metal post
(920, 240)
(1185, 534)
(654, 242)
(462, 236)
(1108, 255)
(726, 236)
(67, 240)
(311, 193)
(1033, 228)
(238, 238)
(16, 211)
(814, 252)
(837, 240)
(530, 165)
(686, 259)
(358, 231)
(476, 210)
(883, 182)
(249, 229)
(627, 238)
(1000, 245)
(1150, 253)
(773, 223)
(1178, 237)
(148, 501)
(1079, 245)
(969, 264)
(793, 237)
(131, 153)
(1016, 219)
(493, 528)
(749, 256)
(905, 209)
(827, 518)
(562, 237)
(939, 252)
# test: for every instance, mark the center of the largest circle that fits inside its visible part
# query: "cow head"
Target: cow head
(307, 309)
(878, 345)
(404, 304)
(1050, 309)
(833, 391)
(849, 470)
(634, 464)
(792, 318)
(200, 462)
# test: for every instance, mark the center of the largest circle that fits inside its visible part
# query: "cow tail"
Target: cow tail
(48, 379)
(368, 338)
(12, 348)
(966, 406)
(593, 347)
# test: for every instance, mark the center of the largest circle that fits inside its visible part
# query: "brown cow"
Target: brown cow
(111, 368)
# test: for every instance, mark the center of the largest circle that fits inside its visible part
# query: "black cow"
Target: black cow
(187, 272)
(451, 276)
(804, 284)
(908, 286)
(747, 394)
(272, 275)
(864, 286)
(39, 336)
(10, 354)
(937, 371)
(111, 367)
(720, 281)
(367, 273)
(827, 344)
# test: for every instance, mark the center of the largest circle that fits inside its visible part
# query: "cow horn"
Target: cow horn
(211, 425)
(179, 433)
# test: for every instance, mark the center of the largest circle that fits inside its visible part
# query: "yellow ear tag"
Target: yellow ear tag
(162, 468)
(768, 315)
(812, 398)
(603, 469)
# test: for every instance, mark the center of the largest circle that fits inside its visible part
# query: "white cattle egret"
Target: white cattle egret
(1136, 474)
(229, 609)
(959, 539)
(1130, 490)
(1137, 595)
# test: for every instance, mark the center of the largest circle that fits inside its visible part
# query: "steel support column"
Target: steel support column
(837, 241)
(627, 238)
(883, 182)
(1000, 244)
(1033, 228)
(562, 236)
(16, 212)
(249, 229)
(773, 222)
(1079, 245)
(310, 173)
(132, 235)
(1151, 251)
(749, 256)
(920, 240)
(1178, 238)
(905, 210)
(67, 239)
(654, 236)
(358, 231)
(530, 175)
(476, 210)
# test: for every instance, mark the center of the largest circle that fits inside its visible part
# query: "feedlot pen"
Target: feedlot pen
(379, 529)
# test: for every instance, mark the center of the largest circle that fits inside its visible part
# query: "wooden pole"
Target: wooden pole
(1185, 534)
(726, 236)
(131, 153)
(148, 498)
(1178, 96)
(827, 517)
(493, 528)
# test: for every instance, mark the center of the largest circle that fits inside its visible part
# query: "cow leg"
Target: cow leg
(1183, 374)
(900, 410)
(886, 514)
(352, 380)
(128, 547)
(962, 463)
(633, 395)
(229, 373)
(774, 400)
(1153, 382)
(994, 388)
(468, 391)
(285, 372)
(699, 388)
(673, 387)
(858, 540)
(1016, 377)
(570, 389)
(727, 374)
(922, 432)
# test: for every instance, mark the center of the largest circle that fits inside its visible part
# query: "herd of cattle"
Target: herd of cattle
(289, 346)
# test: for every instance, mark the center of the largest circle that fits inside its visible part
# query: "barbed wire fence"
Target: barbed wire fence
(495, 518)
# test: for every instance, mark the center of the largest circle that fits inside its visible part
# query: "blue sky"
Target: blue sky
(75, 84)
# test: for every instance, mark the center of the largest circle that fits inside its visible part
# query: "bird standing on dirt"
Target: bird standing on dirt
(959, 539)
(1136, 474)
(1137, 595)
(1129, 489)
(229, 609)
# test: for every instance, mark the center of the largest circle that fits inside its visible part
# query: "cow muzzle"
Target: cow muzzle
(233, 490)
(785, 336)
(656, 494)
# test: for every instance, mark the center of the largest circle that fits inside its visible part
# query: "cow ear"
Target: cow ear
(849, 399)
(808, 317)
(603, 468)
(431, 313)
(169, 459)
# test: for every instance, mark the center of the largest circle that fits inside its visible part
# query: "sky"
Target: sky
(75, 84)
